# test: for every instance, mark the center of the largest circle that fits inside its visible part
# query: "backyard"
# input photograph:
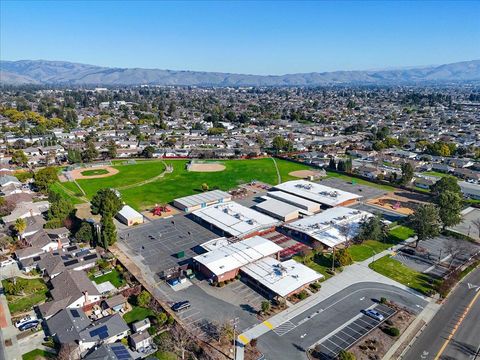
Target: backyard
(23, 294)
(136, 314)
(115, 278)
(38, 354)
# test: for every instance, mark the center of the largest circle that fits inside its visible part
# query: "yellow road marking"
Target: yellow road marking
(455, 328)
(268, 324)
(243, 339)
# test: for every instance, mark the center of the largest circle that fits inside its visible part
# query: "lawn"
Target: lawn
(360, 181)
(318, 262)
(59, 188)
(395, 270)
(136, 314)
(182, 182)
(166, 355)
(94, 172)
(34, 292)
(115, 278)
(370, 248)
(38, 354)
(435, 173)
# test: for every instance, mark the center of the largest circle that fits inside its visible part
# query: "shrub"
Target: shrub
(345, 355)
(392, 331)
(265, 306)
(302, 295)
(383, 300)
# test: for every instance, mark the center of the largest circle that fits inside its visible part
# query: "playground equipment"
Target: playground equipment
(159, 209)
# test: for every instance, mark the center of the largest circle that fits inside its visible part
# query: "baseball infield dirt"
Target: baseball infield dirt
(77, 173)
(206, 167)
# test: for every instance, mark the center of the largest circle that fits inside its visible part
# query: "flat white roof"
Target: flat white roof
(236, 255)
(325, 226)
(215, 243)
(316, 192)
(295, 200)
(129, 213)
(203, 198)
(235, 219)
(282, 278)
(277, 207)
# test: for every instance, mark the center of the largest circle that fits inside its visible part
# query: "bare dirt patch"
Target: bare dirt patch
(149, 214)
(76, 174)
(206, 167)
(305, 174)
(401, 202)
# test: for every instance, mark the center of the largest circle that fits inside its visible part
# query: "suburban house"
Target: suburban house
(71, 289)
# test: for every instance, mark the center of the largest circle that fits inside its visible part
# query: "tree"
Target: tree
(45, 177)
(112, 149)
(20, 226)
(6, 207)
(85, 233)
(19, 158)
(60, 209)
(343, 257)
(90, 152)
(144, 298)
(341, 166)
(148, 152)
(446, 183)
(278, 143)
(265, 306)
(109, 232)
(450, 207)
(407, 173)
(372, 228)
(426, 222)
(74, 156)
(205, 187)
(332, 165)
(106, 203)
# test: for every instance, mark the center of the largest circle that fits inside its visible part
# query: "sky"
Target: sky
(242, 36)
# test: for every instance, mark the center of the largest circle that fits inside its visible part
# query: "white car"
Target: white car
(7, 262)
(25, 320)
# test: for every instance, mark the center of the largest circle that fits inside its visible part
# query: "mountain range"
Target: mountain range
(43, 72)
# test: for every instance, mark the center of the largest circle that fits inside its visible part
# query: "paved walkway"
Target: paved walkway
(8, 333)
(353, 274)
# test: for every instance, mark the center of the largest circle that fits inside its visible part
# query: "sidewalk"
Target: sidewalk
(353, 274)
(9, 332)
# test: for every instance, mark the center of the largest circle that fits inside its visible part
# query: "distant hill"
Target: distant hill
(67, 73)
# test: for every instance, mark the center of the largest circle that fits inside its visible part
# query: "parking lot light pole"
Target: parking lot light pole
(234, 322)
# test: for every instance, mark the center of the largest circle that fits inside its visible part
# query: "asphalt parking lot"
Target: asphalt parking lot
(367, 192)
(158, 242)
(330, 347)
(467, 226)
(292, 339)
(435, 256)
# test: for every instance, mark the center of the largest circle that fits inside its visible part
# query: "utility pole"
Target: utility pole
(333, 259)
(234, 322)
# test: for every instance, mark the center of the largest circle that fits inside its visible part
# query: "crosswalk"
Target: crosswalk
(284, 328)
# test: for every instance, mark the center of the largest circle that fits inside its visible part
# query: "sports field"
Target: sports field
(180, 182)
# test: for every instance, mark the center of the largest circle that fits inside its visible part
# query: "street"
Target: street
(326, 317)
(454, 332)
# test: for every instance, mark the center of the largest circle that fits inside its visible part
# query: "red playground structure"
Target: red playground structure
(159, 209)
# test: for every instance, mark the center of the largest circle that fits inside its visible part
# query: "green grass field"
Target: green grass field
(369, 248)
(115, 278)
(34, 292)
(38, 354)
(360, 181)
(136, 314)
(94, 172)
(181, 182)
(395, 270)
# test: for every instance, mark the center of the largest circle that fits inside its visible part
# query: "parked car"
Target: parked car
(29, 325)
(408, 250)
(374, 314)
(181, 305)
(25, 320)
(7, 262)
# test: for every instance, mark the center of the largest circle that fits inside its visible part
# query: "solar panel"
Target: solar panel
(103, 335)
(89, 257)
(101, 330)
(75, 313)
(121, 353)
(70, 262)
(36, 258)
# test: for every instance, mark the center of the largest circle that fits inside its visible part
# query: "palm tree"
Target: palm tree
(20, 227)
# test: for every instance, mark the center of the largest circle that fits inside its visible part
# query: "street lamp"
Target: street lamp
(234, 322)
